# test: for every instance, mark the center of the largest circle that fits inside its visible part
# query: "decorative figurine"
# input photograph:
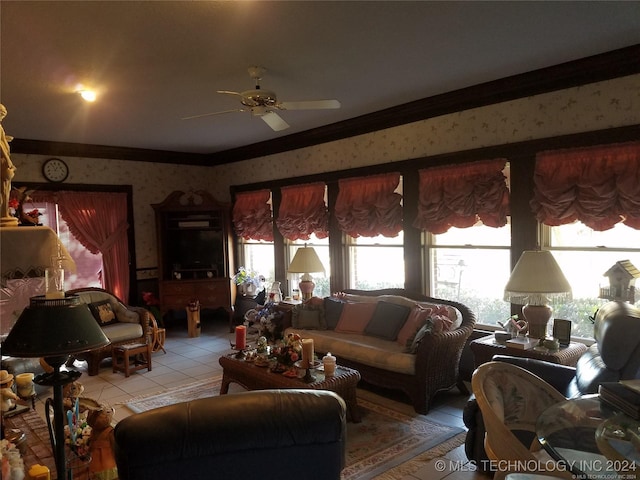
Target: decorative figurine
(8, 396)
(7, 171)
(101, 444)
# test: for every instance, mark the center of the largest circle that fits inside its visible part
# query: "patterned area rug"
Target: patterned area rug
(391, 442)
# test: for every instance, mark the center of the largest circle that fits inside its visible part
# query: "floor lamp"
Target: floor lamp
(306, 261)
(535, 280)
(55, 329)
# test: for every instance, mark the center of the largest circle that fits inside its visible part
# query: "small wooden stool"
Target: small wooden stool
(121, 357)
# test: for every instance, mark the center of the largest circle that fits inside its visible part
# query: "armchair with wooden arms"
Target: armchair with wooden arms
(511, 399)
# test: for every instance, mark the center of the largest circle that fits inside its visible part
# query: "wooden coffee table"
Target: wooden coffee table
(252, 377)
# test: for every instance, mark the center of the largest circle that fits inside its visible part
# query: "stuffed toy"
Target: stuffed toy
(101, 444)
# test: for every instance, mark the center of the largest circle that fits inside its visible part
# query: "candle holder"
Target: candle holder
(308, 377)
(240, 351)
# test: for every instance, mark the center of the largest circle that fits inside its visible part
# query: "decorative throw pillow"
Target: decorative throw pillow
(308, 319)
(387, 320)
(426, 329)
(355, 317)
(332, 311)
(103, 313)
(415, 321)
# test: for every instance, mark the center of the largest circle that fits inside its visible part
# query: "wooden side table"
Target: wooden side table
(486, 347)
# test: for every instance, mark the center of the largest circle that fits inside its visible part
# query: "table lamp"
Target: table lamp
(306, 261)
(55, 329)
(535, 280)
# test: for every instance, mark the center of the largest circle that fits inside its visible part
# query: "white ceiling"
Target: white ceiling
(155, 62)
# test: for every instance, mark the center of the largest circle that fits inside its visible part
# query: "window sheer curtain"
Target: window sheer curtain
(252, 218)
(460, 195)
(99, 221)
(303, 212)
(369, 206)
(599, 186)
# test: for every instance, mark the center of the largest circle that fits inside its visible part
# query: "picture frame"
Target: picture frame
(562, 331)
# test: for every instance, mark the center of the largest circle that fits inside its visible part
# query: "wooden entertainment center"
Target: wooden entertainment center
(195, 252)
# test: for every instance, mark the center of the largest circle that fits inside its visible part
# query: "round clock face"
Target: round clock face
(55, 170)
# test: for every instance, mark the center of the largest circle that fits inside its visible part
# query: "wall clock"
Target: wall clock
(55, 170)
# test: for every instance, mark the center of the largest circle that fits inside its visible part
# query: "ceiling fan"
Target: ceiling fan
(264, 103)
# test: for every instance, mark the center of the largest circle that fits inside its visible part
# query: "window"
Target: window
(584, 255)
(321, 246)
(88, 266)
(376, 262)
(258, 256)
(471, 266)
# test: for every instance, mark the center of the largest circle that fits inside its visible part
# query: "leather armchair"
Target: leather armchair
(265, 434)
(614, 356)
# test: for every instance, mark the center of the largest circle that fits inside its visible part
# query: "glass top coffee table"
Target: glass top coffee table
(593, 440)
(254, 377)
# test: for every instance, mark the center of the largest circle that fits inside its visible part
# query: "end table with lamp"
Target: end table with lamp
(486, 347)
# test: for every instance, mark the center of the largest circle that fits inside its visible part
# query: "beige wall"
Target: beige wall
(597, 106)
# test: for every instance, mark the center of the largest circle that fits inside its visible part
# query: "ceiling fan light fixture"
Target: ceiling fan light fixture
(259, 111)
(87, 94)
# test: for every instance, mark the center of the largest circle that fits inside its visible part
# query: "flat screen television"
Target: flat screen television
(194, 249)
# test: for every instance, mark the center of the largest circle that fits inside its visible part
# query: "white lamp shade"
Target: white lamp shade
(536, 279)
(306, 261)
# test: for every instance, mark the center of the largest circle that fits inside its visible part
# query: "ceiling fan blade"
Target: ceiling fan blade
(214, 113)
(275, 121)
(309, 105)
(228, 92)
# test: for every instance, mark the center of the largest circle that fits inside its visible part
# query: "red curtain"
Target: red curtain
(252, 215)
(599, 186)
(368, 206)
(99, 221)
(303, 211)
(460, 195)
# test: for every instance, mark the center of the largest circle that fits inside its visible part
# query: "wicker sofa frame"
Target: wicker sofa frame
(437, 357)
(95, 357)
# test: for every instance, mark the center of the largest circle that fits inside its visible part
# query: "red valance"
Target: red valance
(461, 195)
(252, 218)
(303, 212)
(599, 186)
(368, 206)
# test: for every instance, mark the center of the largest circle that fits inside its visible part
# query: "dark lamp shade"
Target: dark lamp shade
(54, 328)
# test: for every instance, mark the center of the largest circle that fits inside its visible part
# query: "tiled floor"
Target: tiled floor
(190, 359)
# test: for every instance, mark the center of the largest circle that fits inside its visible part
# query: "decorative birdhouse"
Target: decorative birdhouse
(622, 278)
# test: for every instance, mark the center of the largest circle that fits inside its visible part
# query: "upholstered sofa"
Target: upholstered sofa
(394, 338)
(121, 323)
(265, 434)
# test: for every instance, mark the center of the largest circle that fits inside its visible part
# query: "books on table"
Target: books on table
(621, 397)
(522, 343)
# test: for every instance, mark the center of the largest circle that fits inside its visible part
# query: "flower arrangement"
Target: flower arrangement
(268, 321)
(153, 305)
(77, 432)
(290, 350)
(245, 276)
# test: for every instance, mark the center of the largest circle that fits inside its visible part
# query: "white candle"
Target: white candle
(24, 383)
(307, 352)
